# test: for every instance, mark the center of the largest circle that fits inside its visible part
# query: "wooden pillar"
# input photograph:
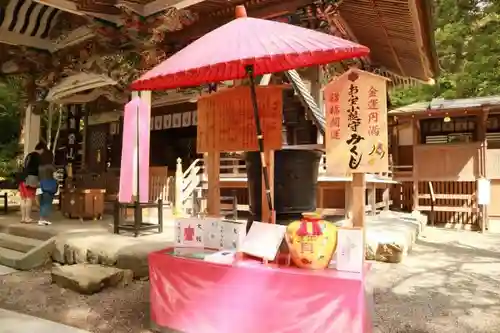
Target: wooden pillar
(416, 141)
(372, 198)
(31, 130)
(386, 197)
(267, 215)
(358, 199)
(213, 178)
(85, 135)
(395, 144)
(348, 200)
(482, 119)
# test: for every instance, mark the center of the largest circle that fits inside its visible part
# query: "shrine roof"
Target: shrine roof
(400, 34)
(55, 39)
(438, 104)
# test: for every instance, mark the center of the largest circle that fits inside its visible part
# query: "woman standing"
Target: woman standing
(29, 181)
(48, 189)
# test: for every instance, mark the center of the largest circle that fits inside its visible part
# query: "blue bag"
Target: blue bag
(48, 186)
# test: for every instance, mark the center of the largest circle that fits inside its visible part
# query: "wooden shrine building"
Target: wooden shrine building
(84, 54)
(440, 149)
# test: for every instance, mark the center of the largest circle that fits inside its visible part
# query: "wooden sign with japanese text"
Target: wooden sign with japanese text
(226, 120)
(74, 140)
(356, 133)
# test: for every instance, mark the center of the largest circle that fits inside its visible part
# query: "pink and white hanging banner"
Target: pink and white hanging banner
(135, 153)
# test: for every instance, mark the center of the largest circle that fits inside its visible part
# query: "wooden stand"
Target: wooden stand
(137, 226)
(82, 203)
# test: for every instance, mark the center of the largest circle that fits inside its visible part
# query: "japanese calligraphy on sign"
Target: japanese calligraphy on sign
(213, 233)
(226, 121)
(73, 131)
(356, 133)
(188, 232)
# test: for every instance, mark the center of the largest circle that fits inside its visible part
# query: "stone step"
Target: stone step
(89, 278)
(10, 257)
(29, 231)
(17, 243)
(36, 256)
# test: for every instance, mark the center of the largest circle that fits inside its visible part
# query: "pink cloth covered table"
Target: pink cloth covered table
(193, 296)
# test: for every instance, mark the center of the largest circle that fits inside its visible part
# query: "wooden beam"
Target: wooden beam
(457, 209)
(211, 22)
(384, 28)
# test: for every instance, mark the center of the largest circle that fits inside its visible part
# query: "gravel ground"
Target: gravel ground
(450, 283)
(112, 310)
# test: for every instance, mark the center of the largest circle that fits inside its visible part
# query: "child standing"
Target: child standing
(48, 188)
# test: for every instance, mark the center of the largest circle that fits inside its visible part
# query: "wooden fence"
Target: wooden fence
(452, 203)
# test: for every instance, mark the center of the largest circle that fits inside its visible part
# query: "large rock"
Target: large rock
(90, 279)
(135, 257)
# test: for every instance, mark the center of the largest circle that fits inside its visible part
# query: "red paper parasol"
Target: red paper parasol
(269, 46)
(246, 47)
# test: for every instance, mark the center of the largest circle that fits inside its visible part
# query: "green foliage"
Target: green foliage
(11, 104)
(468, 46)
(10, 116)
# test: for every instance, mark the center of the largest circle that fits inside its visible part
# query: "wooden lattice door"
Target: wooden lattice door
(97, 148)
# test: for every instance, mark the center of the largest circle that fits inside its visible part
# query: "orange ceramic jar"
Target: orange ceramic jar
(311, 241)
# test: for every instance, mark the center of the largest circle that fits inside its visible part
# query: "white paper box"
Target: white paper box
(233, 234)
(350, 250)
(188, 232)
(263, 240)
(211, 234)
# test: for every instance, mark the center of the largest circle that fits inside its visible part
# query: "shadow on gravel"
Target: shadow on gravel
(440, 288)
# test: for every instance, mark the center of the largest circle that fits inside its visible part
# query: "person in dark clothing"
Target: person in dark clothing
(29, 181)
(46, 157)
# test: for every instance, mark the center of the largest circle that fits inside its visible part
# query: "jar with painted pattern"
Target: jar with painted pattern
(311, 241)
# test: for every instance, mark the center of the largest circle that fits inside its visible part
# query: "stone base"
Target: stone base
(90, 279)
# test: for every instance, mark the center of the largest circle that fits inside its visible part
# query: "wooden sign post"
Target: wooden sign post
(356, 135)
(226, 123)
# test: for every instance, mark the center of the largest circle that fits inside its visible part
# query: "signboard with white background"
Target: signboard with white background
(164, 122)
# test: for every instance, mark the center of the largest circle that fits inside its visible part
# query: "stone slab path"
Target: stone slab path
(4, 270)
(13, 322)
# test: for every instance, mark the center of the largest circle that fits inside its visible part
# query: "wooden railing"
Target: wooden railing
(189, 182)
(369, 209)
(234, 167)
(401, 172)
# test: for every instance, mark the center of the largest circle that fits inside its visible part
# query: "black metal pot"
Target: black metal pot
(295, 183)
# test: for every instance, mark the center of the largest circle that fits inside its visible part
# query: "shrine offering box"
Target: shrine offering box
(83, 203)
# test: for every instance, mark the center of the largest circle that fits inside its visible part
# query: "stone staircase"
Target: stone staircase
(20, 251)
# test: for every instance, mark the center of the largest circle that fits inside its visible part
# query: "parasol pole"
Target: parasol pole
(260, 138)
